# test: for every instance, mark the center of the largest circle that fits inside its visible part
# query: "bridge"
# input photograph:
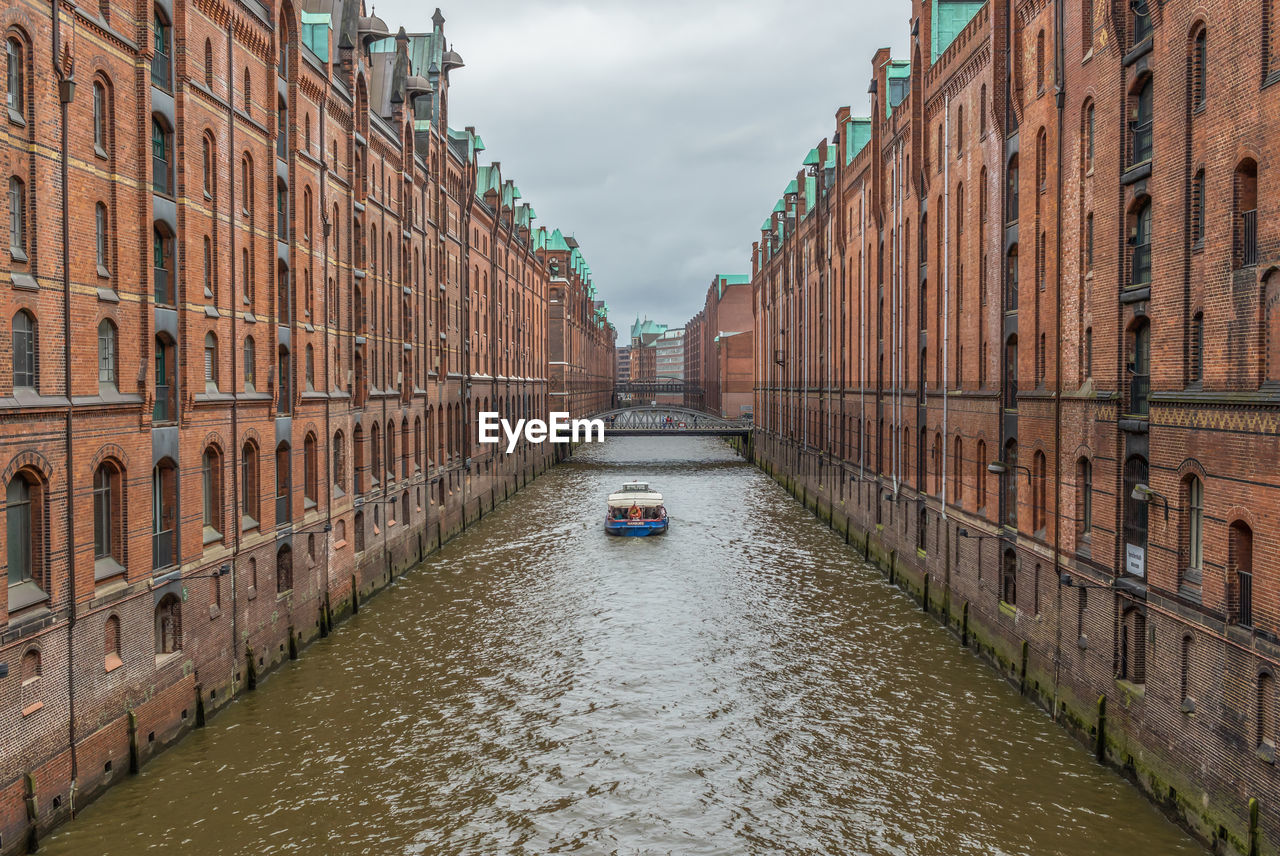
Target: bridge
(661, 420)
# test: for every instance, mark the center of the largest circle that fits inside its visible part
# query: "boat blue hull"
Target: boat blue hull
(636, 528)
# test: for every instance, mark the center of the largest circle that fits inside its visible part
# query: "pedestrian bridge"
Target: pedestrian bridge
(659, 420)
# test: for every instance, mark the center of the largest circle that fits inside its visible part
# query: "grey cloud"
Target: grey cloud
(660, 133)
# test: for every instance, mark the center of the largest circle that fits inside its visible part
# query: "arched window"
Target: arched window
(101, 244)
(210, 362)
(1040, 63)
(1009, 578)
(357, 449)
(162, 60)
(1084, 497)
(1012, 191)
(1135, 513)
(1267, 715)
(166, 403)
(1132, 657)
(980, 474)
(15, 87)
(17, 220)
(310, 368)
(1141, 126)
(284, 569)
(168, 625)
(359, 527)
(1140, 243)
(391, 452)
(1245, 215)
(339, 464)
(375, 447)
(164, 514)
(250, 364)
(1009, 479)
(1139, 368)
(957, 471)
(162, 265)
(310, 472)
(211, 493)
(1192, 531)
(101, 118)
(249, 493)
(284, 484)
(284, 396)
(107, 520)
(1188, 703)
(25, 363)
(111, 644)
(24, 519)
(162, 158)
(1011, 373)
(1038, 476)
(1141, 17)
(1240, 573)
(107, 348)
(1199, 69)
(1011, 280)
(1089, 125)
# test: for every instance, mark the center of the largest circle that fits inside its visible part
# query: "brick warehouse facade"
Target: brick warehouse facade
(993, 364)
(294, 287)
(718, 346)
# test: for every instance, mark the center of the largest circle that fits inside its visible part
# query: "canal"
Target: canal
(743, 685)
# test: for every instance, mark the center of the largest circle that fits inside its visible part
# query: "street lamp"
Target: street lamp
(1143, 493)
(223, 570)
(999, 468)
(1068, 582)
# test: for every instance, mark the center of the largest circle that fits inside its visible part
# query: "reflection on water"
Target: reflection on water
(741, 685)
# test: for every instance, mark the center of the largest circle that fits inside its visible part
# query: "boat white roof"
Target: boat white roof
(627, 498)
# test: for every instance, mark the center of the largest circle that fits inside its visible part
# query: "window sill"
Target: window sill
(24, 281)
(166, 658)
(32, 708)
(1008, 609)
(251, 593)
(16, 118)
(338, 545)
(112, 663)
(248, 524)
(211, 536)
(25, 594)
(103, 273)
(107, 294)
(106, 568)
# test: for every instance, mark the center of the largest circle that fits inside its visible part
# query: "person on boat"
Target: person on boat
(635, 512)
(661, 512)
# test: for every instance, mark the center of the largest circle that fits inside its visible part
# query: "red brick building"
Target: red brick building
(1019, 323)
(294, 287)
(582, 364)
(718, 359)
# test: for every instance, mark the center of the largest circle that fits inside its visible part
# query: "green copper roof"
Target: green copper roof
(811, 159)
(764, 227)
(556, 241)
(479, 143)
(810, 192)
(857, 135)
(898, 74)
(792, 187)
(778, 207)
(950, 17)
(315, 33)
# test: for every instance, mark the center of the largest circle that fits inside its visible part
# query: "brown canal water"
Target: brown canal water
(743, 685)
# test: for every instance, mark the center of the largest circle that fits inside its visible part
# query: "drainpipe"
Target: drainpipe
(329, 368)
(862, 333)
(234, 451)
(946, 290)
(66, 91)
(1061, 97)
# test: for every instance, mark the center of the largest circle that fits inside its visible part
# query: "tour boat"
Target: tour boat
(635, 510)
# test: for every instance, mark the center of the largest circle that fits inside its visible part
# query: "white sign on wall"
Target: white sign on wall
(1135, 560)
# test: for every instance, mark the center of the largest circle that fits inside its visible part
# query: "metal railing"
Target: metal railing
(1139, 392)
(163, 290)
(1140, 264)
(1244, 601)
(162, 71)
(1142, 138)
(166, 407)
(162, 549)
(1249, 255)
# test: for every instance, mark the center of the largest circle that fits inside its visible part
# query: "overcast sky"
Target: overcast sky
(659, 133)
